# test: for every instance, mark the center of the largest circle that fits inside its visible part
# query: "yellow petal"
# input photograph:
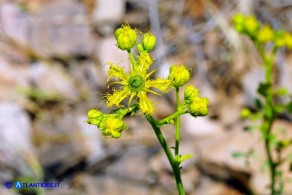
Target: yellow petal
(145, 61)
(117, 97)
(117, 72)
(161, 84)
(145, 103)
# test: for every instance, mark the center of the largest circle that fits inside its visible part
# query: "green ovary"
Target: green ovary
(136, 83)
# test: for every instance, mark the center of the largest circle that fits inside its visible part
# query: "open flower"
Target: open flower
(136, 84)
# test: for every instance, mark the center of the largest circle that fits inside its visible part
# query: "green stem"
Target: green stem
(269, 114)
(169, 119)
(132, 60)
(173, 163)
(177, 127)
(123, 112)
(271, 163)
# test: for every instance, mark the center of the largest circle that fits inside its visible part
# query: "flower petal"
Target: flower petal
(145, 103)
(117, 72)
(117, 97)
(161, 84)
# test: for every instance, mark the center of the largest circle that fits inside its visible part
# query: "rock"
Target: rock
(7, 192)
(200, 126)
(96, 76)
(109, 10)
(109, 52)
(131, 164)
(230, 109)
(12, 77)
(215, 157)
(250, 83)
(53, 79)
(191, 179)
(163, 107)
(61, 145)
(94, 141)
(104, 184)
(207, 186)
(17, 154)
(60, 191)
(107, 13)
(61, 29)
(15, 23)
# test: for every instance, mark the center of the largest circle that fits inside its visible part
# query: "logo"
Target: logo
(8, 184)
(18, 185)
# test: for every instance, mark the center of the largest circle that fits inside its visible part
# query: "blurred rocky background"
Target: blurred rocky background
(53, 64)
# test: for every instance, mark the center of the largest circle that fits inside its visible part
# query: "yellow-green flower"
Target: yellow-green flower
(288, 40)
(198, 106)
(238, 20)
(94, 117)
(179, 75)
(251, 25)
(245, 113)
(266, 34)
(137, 83)
(112, 127)
(148, 42)
(190, 93)
(279, 38)
(126, 37)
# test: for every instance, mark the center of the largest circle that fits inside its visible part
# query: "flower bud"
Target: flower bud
(94, 117)
(190, 93)
(279, 38)
(251, 25)
(148, 41)
(238, 21)
(179, 75)
(113, 127)
(126, 37)
(266, 34)
(199, 107)
(140, 48)
(288, 40)
(94, 114)
(245, 113)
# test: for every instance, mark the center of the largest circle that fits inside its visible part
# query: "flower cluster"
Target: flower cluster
(138, 82)
(179, 75)
(111, 125)
(250, 26)
(196, 105)
(126, 37)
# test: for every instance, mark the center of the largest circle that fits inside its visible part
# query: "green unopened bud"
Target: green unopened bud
(238, 20)
(190, 93)
(140, 48)
(94, 113)
(179, 75)
(245, 113)
(94, 117)
(288, 40)
(279, 38)
(199, 107)
(251, 25)
(126, 37)
(266, 34)
(113, 127)
(148, 41)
